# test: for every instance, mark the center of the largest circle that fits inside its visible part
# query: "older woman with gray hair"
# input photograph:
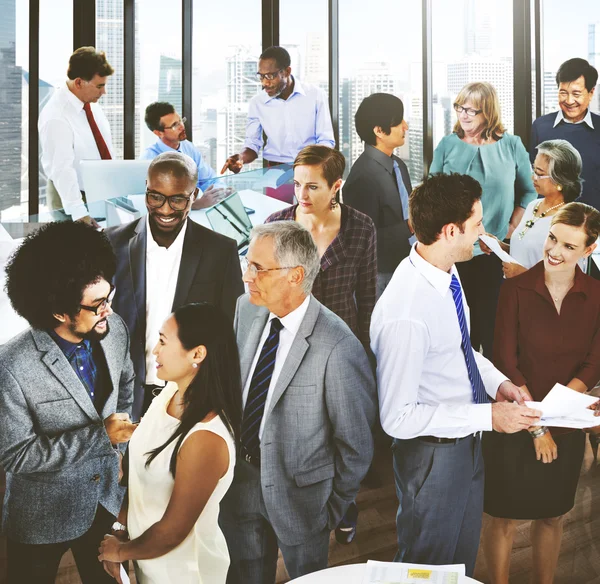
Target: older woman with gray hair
(556, 178)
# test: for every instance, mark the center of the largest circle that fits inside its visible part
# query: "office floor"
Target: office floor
(579, 561)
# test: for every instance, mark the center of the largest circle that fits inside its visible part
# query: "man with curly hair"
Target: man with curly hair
(66, 390)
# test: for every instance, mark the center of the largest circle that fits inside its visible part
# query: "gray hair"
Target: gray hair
(293, 246)
(564, 166)
(175, 163)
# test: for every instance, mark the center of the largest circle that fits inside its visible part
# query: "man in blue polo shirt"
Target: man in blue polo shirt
(576, 80)
(163, 120)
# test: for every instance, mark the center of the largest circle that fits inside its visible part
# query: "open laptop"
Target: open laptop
(230, 218)
(107, 179)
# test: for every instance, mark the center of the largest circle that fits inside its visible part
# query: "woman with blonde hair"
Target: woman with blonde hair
(480, 147)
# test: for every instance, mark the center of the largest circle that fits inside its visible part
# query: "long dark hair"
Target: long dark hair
(217, 387)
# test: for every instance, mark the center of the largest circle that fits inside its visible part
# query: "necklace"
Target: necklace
(531, 222)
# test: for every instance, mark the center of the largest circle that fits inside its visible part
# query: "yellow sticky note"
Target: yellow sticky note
(419, 574)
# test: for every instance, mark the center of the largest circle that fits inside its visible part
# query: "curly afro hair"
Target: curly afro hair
(48, 273)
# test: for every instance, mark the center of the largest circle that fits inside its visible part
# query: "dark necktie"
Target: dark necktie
(102, 147)
(479, 394)
(259, 387)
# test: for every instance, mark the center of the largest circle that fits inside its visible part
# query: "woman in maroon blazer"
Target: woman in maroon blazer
(547, 331)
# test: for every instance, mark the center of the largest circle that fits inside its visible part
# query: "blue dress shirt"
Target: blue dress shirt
(206, 175)
(290, 124)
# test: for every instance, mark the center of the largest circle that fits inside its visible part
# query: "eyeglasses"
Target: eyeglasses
(176, 202)
(175, 125)
(269, 76)
(255, 271)
(539, 176)
(459, 109)
(103, 305)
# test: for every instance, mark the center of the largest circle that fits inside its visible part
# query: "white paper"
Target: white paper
(493, 244)
(124, 576)
(398, 573)
(566, 408)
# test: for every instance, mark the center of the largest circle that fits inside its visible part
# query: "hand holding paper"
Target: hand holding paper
(493, 244)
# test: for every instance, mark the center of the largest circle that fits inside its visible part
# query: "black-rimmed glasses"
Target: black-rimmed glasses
(103, 304)
(269, 76)
(176, 202)
(459, 109)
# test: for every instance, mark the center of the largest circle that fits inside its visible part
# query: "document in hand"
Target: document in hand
(396, 573)
(566, 408)
(124, 575)
(493, 244)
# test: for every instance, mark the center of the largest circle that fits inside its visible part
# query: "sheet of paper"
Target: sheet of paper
(493, 244)
(124, 576)
(397, 573)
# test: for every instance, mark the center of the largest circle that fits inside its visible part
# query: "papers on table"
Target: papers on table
(396, 573)
(566, 408)
(493, 244)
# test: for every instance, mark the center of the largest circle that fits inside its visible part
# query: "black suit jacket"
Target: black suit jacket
(209, 272)
(371, 188)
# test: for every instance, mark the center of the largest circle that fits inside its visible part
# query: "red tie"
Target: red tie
(102, 147)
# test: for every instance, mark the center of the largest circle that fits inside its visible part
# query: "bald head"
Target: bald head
(178, 165)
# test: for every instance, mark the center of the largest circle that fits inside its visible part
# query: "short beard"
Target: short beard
(92, 335)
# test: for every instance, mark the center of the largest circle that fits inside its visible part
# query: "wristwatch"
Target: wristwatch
(116, 526)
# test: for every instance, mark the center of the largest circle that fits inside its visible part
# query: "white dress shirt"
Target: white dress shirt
(560, 117)
(66, 139)
(423, 383)
(291, 323)
(290, 124)
(162, 271)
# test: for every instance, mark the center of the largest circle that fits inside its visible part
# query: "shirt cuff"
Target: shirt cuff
(481, 417)
(493, 382)
(77, 211)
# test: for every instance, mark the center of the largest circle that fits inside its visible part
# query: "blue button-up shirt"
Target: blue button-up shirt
(290, 124)
(206, 175)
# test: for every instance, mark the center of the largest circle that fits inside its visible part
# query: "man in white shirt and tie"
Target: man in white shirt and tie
(433, 388)
(73, 127)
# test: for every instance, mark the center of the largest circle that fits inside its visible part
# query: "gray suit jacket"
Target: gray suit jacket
(317, 442)
(209, 272)
(58, 459)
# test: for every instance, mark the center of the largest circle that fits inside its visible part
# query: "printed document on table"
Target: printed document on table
(396, 573)
(493, 244)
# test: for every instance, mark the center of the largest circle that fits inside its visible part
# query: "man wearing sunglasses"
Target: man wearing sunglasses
(291, 114)
(66, 393)
(165, 260)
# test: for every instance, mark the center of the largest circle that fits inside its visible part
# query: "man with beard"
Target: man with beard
(66, 388)
(162, 120)
(291, 114)
(165, 260)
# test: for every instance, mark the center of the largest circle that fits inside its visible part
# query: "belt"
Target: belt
(436, 440)
(252, 459)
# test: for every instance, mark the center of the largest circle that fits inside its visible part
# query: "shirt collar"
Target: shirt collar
(560, 117)
(439, 279)
(160, 145)
(533, 279)
(73, 99)
(67, 347)
(298, 88)
(291, 322)
(175, 247)
(386, 161)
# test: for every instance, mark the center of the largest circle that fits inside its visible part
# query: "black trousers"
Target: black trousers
(481, 278)
(39, 562)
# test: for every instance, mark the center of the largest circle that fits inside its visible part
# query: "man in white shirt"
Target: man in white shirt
(309, 405)
(73, 127)
(433, 388)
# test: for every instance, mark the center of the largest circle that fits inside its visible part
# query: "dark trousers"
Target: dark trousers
(481, 278)
(39, 562)
(440, 495)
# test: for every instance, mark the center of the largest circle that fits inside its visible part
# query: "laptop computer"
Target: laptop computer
(229, 217)
(106, 179)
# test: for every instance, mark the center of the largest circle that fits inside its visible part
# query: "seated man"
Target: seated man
(310, 403)
(162, 120)
(66, 392)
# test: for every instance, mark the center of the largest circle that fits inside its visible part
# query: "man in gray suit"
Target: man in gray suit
(166, 260)
(309, 405)
(66, 388)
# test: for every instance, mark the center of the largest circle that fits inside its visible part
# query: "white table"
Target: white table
(352, 574)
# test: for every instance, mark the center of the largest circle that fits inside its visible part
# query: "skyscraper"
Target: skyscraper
(170, 84)
(594, 58)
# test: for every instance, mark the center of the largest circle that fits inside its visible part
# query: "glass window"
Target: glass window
(373, 60)
(14, 126)
(223, 80)
(471, 41)
(582, 29)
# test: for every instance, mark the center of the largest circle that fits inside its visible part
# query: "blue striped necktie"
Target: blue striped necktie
(259, 387)
(479, 394)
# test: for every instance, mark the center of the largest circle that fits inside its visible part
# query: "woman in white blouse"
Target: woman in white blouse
(182, 455)
(556, 178)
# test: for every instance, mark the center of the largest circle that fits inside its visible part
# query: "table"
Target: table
(352, 574)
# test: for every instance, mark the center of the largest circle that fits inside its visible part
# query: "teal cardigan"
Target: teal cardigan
(503, 170)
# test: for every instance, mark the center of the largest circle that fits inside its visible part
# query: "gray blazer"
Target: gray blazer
(317, 442)
(58, 459)
(209, 272)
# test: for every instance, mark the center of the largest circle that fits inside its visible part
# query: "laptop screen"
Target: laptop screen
(229, 218)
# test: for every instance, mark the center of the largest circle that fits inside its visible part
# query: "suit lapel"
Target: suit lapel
(58, 365)
(251, 344)
(191, 256)
(137, 270)
(114, 371)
